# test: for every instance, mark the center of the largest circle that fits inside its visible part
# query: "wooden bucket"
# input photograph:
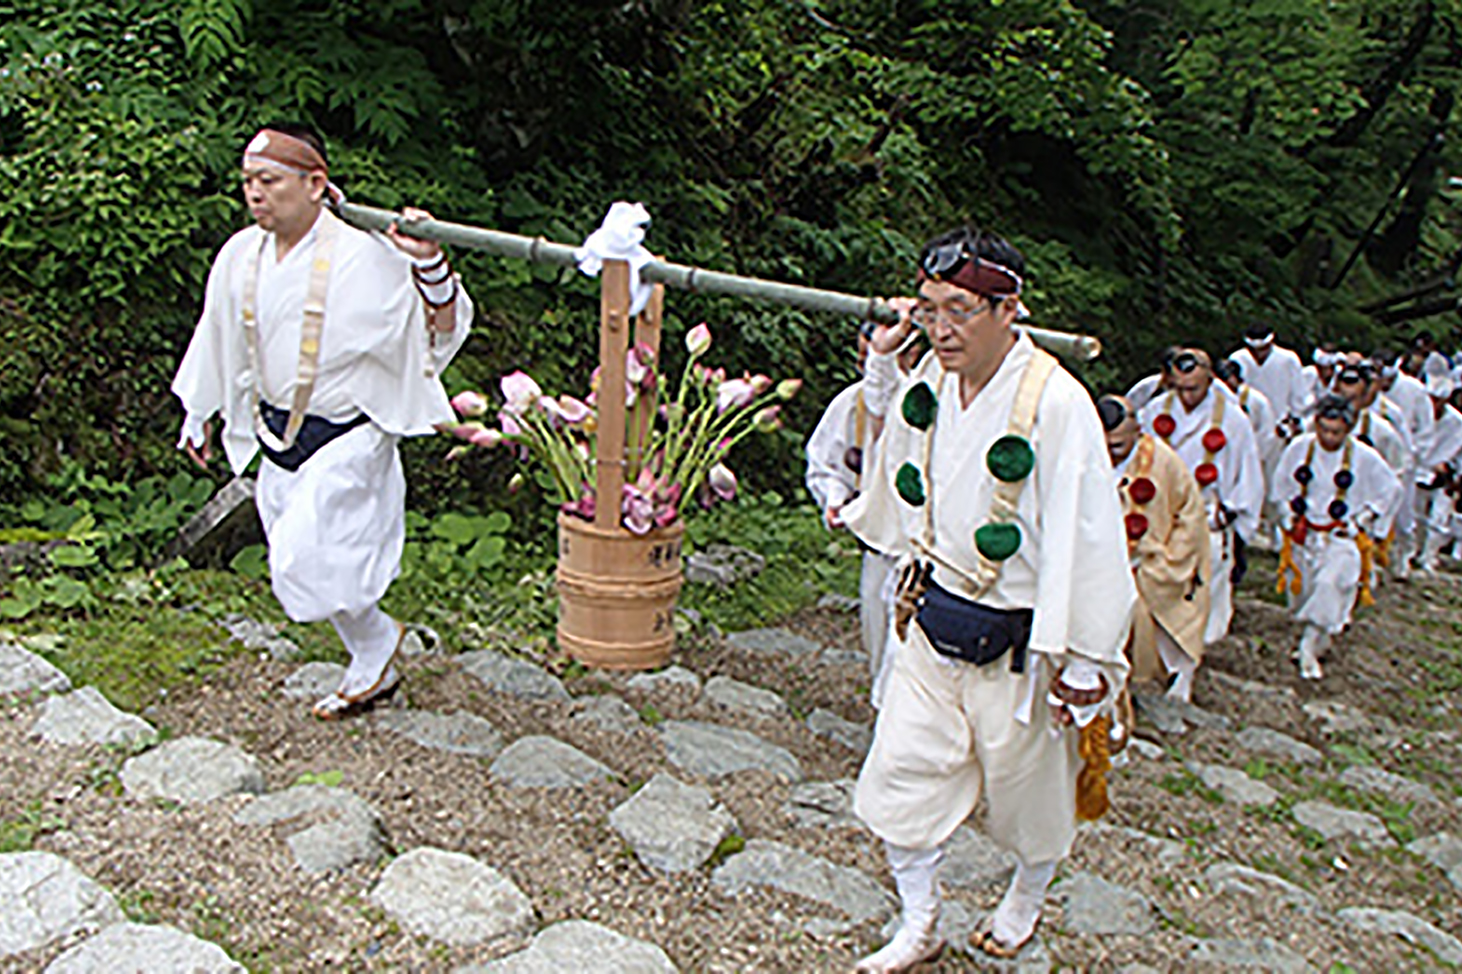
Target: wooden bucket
(616, 594)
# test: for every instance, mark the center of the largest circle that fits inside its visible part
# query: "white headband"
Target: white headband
(1259, 342)
(1322, 357)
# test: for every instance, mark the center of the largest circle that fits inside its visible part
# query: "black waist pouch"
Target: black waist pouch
(974, 633)
(314, 433)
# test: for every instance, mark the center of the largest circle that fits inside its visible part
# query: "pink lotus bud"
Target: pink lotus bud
(464, 431)
(469, 403)
(458, 452)
(768, 419)
(666, 515)
(736, 393)
(761, 383)
(722, 481)
(574, 411)
(487, 437)
(510, 425)
(698, 339)
(520, 392)
(635, 371)
(787, 388)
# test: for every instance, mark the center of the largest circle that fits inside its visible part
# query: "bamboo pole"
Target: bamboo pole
(1080, 347)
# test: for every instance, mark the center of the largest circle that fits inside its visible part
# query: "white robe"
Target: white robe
(335, 526)
(949, 731)
(1395, 450)
(1143, 391)
(1280, 378)
(1434, 509)
(1263, 422)
(1330, 561)
(832, 484)
(1239, 487)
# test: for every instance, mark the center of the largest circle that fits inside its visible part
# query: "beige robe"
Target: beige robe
(1170, 561)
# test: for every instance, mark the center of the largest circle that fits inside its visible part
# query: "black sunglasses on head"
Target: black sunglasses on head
(1186, 362)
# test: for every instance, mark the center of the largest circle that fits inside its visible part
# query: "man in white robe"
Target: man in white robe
(1320, 375)
(840, 448)
(1356, 381)
(1436, 476)
(1277, 373)
(992, 486)
(322, 344)
(1143, 391)
(1213, 437)
(1256, 406)
(1403, 401)
(1336, 494)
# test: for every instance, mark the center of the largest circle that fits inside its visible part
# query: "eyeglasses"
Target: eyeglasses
(927, 316)
(1186, 362)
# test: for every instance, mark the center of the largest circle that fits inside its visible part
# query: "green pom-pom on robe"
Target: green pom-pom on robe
(910, 485)
(998, 542)
(919, 406)
(1010, 458)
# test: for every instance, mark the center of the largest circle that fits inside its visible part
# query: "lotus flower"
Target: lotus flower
(584, 507)
(515, 482)
(722, 482)
(734, 393)
(469, 403)
(462, 431)
(510, 424)
(520, 392)
(761, 383)
(565, 410)
(698, 339)
(787, 388)
(638, 509)
(639, 366)
(768, 419)
(487, 437)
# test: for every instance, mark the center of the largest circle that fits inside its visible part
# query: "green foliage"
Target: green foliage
(20, 833)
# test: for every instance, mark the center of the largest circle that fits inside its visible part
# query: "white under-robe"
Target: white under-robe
(1330, 561)
(336, 525)
(1264, 424)
(1375, 431)
(833, 483)
(948, 730)
(1239, 487)
(1280, 377)
(1435, 509)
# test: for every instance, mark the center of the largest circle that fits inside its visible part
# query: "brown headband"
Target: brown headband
(285, 150)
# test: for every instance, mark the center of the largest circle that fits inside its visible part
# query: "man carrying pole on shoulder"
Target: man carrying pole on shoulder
(321, 345)
(993, 489)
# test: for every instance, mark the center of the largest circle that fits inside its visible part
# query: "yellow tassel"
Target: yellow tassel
(1367, 565)
(1091, 784)
(1383, 550)
(1287, 565)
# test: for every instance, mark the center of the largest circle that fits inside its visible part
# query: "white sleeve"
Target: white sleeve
(880, 381)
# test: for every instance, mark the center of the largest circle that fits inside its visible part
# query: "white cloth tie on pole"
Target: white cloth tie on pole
(620, 237)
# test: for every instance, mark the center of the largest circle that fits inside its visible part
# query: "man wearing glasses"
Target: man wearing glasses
(1336, 494)
(993, 489)
(1211, 434)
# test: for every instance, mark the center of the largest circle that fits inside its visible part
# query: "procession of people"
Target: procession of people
(1029, 549)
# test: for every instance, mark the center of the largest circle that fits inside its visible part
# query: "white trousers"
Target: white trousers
(873, 615)
(1329, 578)
(1180, 664)
(336, 526)
(1435, 514)
(372, 638)
(947, 732)
(1221, 613)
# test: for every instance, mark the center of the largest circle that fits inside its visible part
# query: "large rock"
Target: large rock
(1336, 823)
(1444, 851)
(607, 713)
(768, 641)
(87, 717)
(1249, 688)
(333, 828)
(546, 762)
(1412, 929)
(452, 898)
(1263, 740)
(578, 945)
(1394, 786)
(258, 636)
(515, 677)
(674, 679)
(735, 695)
(1253, 955)
(132, 948)
(1337, 718)
(771, 864)
(672, 826)
(192, 770)
(46, 899)
(1095, 906)
(22, 671)
(971, 858)
(314, 680)
(224, 526)
(1172, 716)
(455, 733)
(1234, 785)
(823, 804)
(722, 565)
(855, 737)
(711, 750)
(1230, 877)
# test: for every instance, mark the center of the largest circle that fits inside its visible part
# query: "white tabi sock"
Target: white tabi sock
(371, 636)
(1183, 667)
(915, 872)
(1015, 918)
(1312, 646)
